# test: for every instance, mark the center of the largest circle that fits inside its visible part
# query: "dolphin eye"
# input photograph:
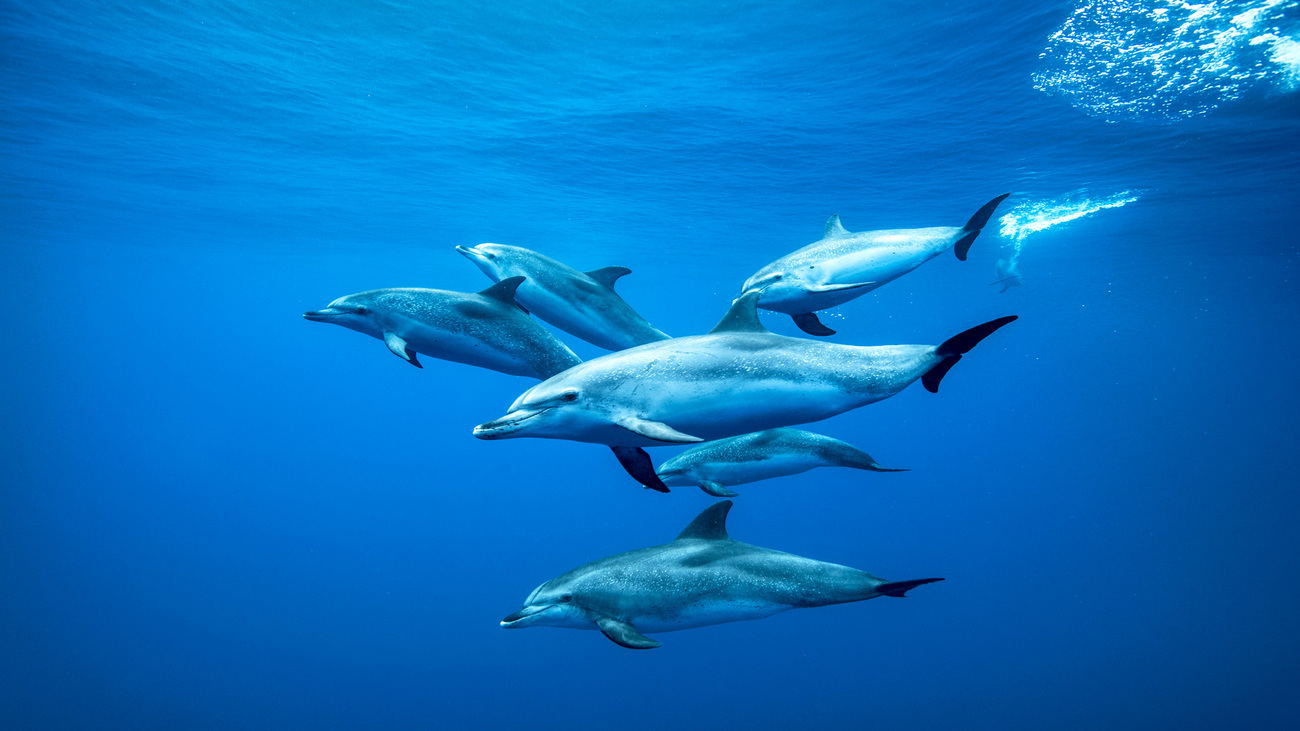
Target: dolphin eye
(566, 598)
(570, 396)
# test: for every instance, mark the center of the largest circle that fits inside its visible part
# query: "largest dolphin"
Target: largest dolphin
(486, 329)
(703, 577)
(844, 265)
(580, 303)
(739, 378)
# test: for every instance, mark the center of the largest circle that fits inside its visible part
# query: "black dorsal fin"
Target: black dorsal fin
(743, 315)
(608, 275)
(505, 291)
(710, 525)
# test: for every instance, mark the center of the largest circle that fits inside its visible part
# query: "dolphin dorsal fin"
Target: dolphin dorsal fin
(710, 525)
(743, 315)
(505, 291)
(834, 228)
(608, 275)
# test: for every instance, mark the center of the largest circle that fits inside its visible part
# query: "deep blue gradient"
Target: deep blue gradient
(215, 514)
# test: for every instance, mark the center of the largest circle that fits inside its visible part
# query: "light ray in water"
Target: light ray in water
(1033, 216)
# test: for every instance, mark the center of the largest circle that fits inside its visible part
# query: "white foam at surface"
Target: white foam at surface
(1164, 60)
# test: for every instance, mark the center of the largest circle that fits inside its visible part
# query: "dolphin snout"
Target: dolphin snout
(470, 252)
(507, 425)
(322, 315)
(524, 613)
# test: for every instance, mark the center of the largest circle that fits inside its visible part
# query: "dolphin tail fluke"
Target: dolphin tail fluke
(638, 464)
(952, 349)
(973, 226)
(808, 322)
(900, 588)
(982, 216)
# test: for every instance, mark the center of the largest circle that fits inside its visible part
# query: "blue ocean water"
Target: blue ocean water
(217, 515)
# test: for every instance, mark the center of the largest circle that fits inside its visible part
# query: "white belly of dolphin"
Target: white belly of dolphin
(463, 348)
(703, 613)
(739, 473)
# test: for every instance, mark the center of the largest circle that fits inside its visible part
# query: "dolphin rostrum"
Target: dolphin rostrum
(487, 329)
(737, 379)
(844, 265)
(580, 303)
(703, 577)
(715, 466)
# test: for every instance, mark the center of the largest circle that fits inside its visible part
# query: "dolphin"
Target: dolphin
(714, 466)
(1008, 275)
(487, 329)
(845, 265)
(737, 379)
(703, 577)
(580, 303)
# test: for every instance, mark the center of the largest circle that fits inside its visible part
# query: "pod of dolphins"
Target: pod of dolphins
(733, 392)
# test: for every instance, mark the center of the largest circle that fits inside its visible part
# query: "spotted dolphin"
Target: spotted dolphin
(715, 466)
(486, 329)
(737, 379)
(703, 577)
(580, 303)
(844, 265)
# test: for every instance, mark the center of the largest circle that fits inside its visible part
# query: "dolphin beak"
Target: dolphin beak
(469, 252)
(525, 613)
(508, 425)
(324, 315)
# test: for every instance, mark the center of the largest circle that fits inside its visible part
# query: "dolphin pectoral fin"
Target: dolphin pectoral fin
(396, 344)
(656, 430)
(716, 490)
(625, 634)
(900, 588)
(638, 464)
(808, 322)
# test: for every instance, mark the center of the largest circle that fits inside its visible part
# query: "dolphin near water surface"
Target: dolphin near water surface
(845, 265)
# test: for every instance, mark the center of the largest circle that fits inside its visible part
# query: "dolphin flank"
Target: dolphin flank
(703, 577)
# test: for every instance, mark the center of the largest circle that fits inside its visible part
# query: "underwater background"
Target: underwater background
(215, 514)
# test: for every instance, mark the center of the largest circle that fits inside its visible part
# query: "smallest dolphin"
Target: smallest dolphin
(1008, 275)
(488, 329)
(715, 466)
(580, 303)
